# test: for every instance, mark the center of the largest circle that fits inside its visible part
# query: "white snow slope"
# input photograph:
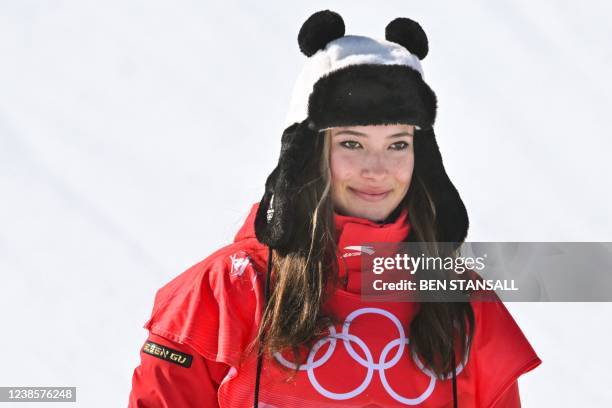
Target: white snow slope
(135, 135)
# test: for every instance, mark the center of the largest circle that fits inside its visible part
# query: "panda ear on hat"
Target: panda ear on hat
(409, 34)
(325, 26)
(318, 30)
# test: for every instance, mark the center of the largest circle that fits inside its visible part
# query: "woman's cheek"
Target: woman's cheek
(344, 165)
(403, 168)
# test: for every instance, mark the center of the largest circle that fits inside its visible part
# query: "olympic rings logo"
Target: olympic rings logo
(368, 362)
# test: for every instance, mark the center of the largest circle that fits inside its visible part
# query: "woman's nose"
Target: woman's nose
(374, 165)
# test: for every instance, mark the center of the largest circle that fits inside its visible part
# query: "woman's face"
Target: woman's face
(371, 168)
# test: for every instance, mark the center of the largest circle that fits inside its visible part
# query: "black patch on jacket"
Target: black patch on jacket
(168, 354)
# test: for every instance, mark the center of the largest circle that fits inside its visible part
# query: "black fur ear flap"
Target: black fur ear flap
(452, 221)
(408, 33)
(276, 221)
(320, 28)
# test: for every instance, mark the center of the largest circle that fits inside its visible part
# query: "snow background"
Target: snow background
(135, 135)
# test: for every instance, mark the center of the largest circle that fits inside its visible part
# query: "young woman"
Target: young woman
(276, 319)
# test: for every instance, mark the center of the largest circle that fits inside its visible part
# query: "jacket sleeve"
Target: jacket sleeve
(174, 375)
(207, 316)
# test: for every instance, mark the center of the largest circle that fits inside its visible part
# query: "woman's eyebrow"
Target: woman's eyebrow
(402, 134)
(355, 133)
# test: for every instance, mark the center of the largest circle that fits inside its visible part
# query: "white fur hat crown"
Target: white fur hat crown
(354, 80)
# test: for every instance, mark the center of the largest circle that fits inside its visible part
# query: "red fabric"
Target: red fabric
(158, 383)
(213, 310)
(352, 232)
(510, 398)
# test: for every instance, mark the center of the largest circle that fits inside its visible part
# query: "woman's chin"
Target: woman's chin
(372, 214)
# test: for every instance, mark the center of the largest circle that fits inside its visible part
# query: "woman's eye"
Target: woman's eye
(350, 144)
(399, 146)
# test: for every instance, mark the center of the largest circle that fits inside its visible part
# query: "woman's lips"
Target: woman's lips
(370, 196)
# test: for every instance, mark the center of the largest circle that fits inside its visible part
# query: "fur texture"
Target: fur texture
(320, 28)
(452, 221)
(342, 53)
(296, 166)
(410, 34)
(370, 94)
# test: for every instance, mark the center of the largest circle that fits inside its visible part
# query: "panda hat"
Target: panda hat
(351, 80)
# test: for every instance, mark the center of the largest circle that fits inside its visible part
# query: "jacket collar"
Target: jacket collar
(354, 233)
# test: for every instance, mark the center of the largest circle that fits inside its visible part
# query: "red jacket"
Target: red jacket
(203, 319)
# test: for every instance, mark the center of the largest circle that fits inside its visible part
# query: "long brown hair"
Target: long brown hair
(293, 317)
